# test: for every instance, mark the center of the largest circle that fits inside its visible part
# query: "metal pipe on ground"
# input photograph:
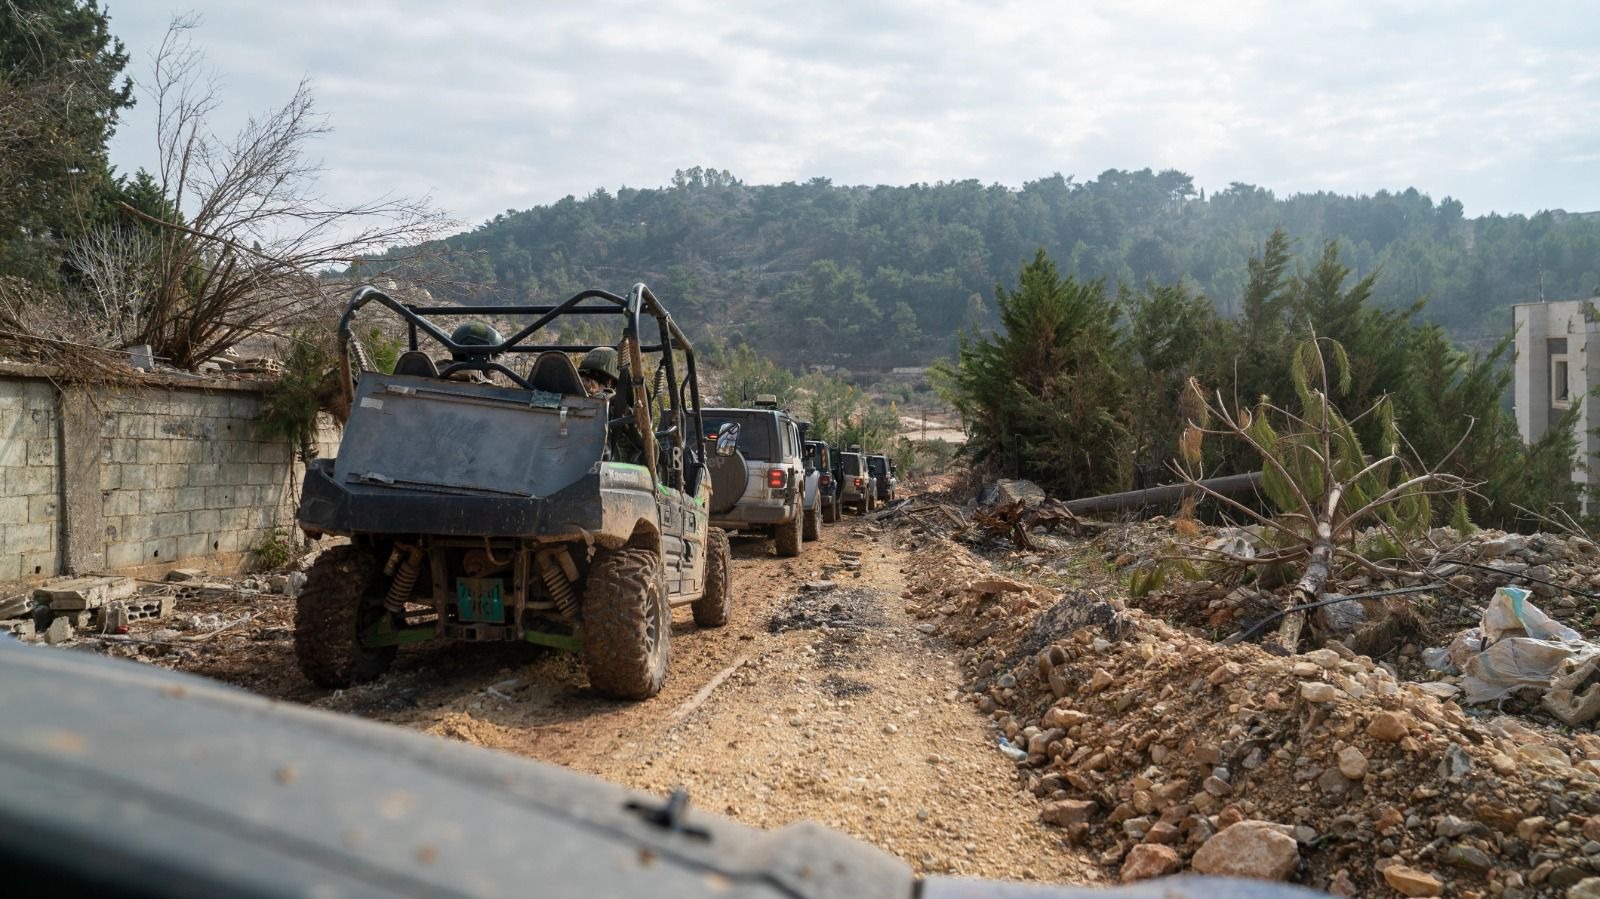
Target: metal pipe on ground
(1166, 497)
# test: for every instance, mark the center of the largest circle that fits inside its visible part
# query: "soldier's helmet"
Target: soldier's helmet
(601, 360)
(475, 334)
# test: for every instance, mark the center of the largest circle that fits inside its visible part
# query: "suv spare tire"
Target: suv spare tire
(729, 478)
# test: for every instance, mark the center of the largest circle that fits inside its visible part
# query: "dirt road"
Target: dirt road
(820, 700)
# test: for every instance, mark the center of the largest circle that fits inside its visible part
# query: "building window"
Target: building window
(1560, 384)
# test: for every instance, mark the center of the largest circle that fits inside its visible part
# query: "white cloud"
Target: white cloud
(497, 105)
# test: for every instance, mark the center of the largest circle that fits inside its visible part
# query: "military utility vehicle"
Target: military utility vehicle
(490, 499)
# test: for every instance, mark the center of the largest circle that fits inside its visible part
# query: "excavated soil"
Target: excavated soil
(820, 700)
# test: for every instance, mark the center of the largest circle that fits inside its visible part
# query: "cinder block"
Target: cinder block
(204, 472)
(226, 542)
(74, 594)
(188, 499)
(238, 518)
(14, 510)
(221, 497)
(169, 524)
(135, 426)
(41, 564)
(31, 480)
(263, 474)
(41, 451)
(124, 450)
(10, 562)
(29, 537)
(194, 546)
(150, 452)
(125, 555)
(236, 474)
(154, 501)
(42, 508)
(39, 397)
(118, 503)
(13, 453)
(139, 477)
(161, 549)
(204, 521)
(110, 476)
(171, 475)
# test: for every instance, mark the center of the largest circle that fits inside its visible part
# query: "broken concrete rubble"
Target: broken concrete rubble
(73, 594)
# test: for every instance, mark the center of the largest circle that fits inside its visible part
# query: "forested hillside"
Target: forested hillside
(878, 276)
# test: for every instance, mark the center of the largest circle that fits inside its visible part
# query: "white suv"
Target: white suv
(762, 487)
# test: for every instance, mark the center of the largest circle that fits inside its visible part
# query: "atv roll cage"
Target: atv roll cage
(645, 404)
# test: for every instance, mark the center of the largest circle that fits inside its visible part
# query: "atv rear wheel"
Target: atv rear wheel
(786, 537)
(626, 624)
(813, 521)
(712, 608)
(335, 607)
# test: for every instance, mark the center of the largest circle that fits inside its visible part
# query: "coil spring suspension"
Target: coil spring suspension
(560, 587)
(404, 581)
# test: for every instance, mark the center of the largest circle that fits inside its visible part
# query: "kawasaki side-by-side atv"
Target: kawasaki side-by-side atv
(490, 499)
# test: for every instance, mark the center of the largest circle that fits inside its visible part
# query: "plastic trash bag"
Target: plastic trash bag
(1520, 647)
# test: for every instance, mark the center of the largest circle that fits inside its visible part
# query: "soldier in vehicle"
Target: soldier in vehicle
(599, 371)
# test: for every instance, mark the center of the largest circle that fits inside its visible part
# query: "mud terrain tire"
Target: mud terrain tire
(333, 608)
(626, 624)
(712, 608)
(813, 521)
(786, 537)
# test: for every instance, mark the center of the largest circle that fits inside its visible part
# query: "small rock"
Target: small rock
(1411, 882)
(1450, 827)
(1352, 763)
(1587, 888)
(60, 631)
(1387, 727)
(1255, 849)
(1469, 857)
(1529, 828)
(1064, 812)
(1225, 672)
(1501, 817)
(1333, 782)
(1389, 820)
(1148, 860)
(1456, 762)
(1316, 691)
(1100, 680)
(1161, 832)
(1217, 787)
(890, 729)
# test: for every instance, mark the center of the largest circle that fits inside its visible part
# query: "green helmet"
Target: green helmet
(475, 334)
(602, 360)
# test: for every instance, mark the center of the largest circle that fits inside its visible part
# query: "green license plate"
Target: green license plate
(481, 599)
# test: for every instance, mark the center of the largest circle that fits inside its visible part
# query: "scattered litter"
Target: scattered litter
(1516, 645)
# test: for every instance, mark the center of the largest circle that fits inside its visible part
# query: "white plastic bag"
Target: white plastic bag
(1521, 647)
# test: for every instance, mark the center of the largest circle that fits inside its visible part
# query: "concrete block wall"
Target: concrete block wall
(29, 485)
(102, 479)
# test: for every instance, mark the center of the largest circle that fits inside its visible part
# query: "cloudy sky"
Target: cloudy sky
(488, 106)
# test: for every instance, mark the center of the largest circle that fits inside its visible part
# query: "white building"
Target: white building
(1553, 372)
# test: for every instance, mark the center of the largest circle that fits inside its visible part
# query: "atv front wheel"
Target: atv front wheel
(787, 536)
(334, 608)
(813, 522)
(713, 606)
(626, 624)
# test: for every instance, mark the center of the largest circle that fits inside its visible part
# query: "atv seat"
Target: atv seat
(417, 364)
(553, 372)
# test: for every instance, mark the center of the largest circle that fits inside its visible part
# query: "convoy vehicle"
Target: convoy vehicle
(857, 489)
(534, 512)
(760, 487)
(883, 472)
(820, 459)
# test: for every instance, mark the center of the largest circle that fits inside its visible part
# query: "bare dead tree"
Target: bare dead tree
(1325, 488)
(241, 250)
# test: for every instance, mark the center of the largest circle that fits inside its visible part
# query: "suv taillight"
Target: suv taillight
(825, 480)
(858, 482)
(778, 478)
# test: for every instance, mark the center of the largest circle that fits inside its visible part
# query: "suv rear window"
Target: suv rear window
(878, 464)
(758, 437)
(852, 463)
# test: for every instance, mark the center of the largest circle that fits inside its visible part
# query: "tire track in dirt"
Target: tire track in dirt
(831, 706)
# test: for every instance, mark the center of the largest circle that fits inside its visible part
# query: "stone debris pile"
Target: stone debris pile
(1162, 750)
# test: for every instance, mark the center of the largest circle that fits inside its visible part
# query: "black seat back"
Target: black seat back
(553, 372)
(417, 364)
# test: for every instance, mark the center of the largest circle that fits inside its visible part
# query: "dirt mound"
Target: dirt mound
(1135, 732)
